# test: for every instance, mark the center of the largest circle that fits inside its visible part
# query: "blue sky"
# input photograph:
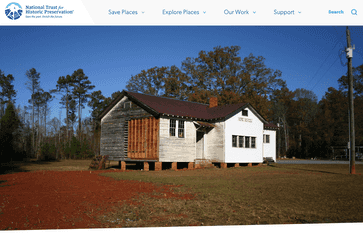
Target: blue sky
(307, 56)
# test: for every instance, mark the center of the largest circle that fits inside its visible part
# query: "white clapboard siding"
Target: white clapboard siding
(214, 143)
(174, 149)
(238, 125)
(269, 149)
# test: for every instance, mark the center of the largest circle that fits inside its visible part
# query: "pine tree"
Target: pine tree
(81, 86)
(7, 90)
(33, 86)
(64, 85)
(10, 126)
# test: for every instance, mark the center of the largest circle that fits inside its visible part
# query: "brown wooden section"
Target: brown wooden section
(143, 138)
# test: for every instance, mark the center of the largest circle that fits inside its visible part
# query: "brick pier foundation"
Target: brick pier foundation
(174, 166)
(223, 165)
(236, 165)
(158, 166)
(123, 165)
(191, 165)
(250, 165)
(146, 166)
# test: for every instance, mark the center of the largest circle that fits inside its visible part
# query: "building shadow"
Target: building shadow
(19, 166)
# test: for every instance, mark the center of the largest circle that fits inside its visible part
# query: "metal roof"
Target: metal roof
(169, 106)
(271, 126)
(177, 108)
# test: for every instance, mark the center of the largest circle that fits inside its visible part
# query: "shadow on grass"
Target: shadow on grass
(311, 170)
(18, 166)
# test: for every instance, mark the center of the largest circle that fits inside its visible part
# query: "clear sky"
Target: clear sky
(309, 57)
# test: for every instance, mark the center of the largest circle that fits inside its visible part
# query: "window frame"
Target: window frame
(181, 130)
(241, 142)
(245, 112)
(172, 129)
(247, 141)
(253, 142)
(129, 103)
(234, 141)
(177, 128)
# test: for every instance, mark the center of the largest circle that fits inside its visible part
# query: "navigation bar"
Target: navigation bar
(187, 12)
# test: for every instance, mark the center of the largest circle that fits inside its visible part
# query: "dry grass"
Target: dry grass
(244, 196)
(33, 165)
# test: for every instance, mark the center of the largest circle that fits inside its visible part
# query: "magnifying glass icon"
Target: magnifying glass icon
(354, 11)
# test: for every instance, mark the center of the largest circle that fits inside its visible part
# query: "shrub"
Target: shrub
(48, 151)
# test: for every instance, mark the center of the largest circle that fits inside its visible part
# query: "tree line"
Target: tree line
(308, 128)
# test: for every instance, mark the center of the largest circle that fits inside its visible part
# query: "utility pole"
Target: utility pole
(278, 140)
(349, 52)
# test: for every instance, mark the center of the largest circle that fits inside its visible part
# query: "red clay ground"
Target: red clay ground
(65, 199)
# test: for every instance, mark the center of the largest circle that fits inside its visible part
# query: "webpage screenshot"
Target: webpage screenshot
(206, 121)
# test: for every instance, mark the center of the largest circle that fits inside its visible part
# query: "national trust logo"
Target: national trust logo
(13, 11)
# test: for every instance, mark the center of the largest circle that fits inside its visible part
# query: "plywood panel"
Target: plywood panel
(143, 138)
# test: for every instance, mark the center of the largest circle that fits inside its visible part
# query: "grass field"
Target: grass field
(276, 194)
(33, 165)
(251, 195)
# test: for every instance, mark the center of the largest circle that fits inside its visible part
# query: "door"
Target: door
(200, 144)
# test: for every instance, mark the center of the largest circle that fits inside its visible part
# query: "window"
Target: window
(181, 128)
(127, 105)
(243, 141)
(234, 141)
(247, 141)
(172, 127)
(266, 138)
(253, 142)
(240, 141)
(244, 112)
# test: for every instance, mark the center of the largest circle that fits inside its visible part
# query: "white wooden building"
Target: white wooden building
(143, 128)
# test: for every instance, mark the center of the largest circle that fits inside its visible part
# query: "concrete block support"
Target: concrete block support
(123, 165)
(223, 165)
(174, 166)
(191, 165)
(146, 166)
(236, 165)
(250, 165)
(158, 166)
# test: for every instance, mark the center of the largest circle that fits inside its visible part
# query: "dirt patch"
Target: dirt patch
(67, 200)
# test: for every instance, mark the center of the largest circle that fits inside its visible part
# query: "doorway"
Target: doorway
(200, 144)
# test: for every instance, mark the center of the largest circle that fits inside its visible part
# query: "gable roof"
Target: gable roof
(173, 107)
